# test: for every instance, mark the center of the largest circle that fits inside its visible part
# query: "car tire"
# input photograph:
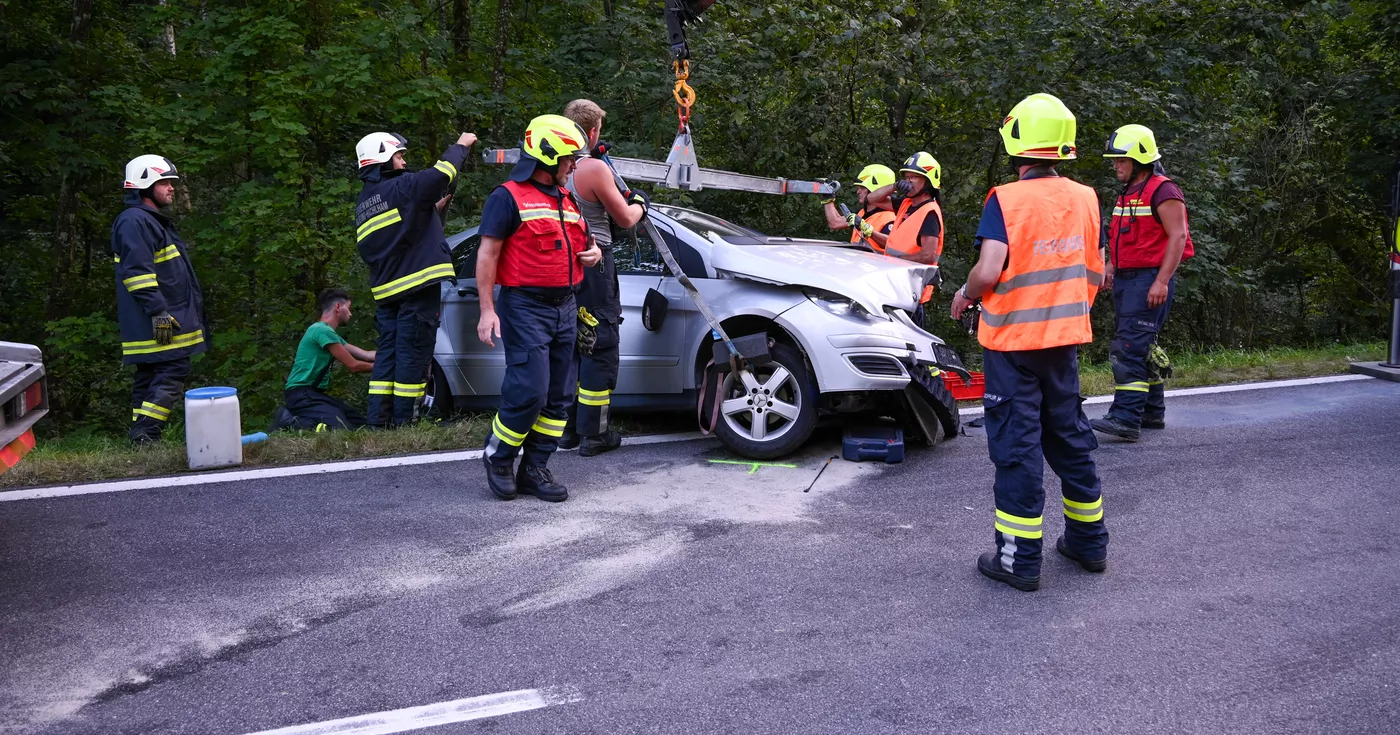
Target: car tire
(796, 390)
(945, 407)
(437, 399)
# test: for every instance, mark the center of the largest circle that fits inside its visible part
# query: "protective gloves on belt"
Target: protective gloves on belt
(164, 327)
(587, 332)
(1157, 358)
(854, 220)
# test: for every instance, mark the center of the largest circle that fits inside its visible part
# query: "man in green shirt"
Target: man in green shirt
(309, 406)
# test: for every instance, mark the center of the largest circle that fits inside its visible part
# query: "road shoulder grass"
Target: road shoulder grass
(92, 458)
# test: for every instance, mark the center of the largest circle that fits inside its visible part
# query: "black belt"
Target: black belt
(551, 296)
(1135, 271)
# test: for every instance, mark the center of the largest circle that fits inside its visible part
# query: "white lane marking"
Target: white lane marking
(432, 715)
(146, 483)
(1207, 390)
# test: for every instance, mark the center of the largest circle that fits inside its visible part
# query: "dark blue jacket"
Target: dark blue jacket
(398, 231)
(154, 275)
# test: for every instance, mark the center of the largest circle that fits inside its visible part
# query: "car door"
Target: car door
(473, 369)
(650, 361)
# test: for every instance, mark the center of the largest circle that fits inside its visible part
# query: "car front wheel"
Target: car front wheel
(768, 411)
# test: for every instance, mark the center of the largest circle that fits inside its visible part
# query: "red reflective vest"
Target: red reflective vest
(1136, 238)
(543, 251)
(877, 219)
(1053, 268)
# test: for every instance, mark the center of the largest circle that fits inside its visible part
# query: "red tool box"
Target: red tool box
(963, 392)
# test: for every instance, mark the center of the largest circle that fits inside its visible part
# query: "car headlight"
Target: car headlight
(840, 305)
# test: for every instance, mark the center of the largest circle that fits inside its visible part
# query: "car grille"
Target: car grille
(878, 365)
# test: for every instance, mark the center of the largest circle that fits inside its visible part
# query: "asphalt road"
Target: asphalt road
(1254, 587)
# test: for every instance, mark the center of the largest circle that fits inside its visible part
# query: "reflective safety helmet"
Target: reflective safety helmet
(1132, 141)
(551, 137)
(377, 148)
(875, 176)
(1040, 126)
(925, 164)
(143, 171)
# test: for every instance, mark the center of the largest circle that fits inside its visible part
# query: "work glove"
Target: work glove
(587, 332)
(1157, 358)
(602, 149)
(904, 187)
(164, 327)
(831, 198)
(866, 228)
(638, 197)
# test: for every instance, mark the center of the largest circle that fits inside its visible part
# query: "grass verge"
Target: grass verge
(90, 458)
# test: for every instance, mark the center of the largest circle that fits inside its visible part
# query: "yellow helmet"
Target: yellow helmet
(551, 137)
(1039, 126)
(927, 165)
(875, 176)
(1132, 141)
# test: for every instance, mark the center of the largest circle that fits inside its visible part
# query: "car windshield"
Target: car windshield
(709, 226)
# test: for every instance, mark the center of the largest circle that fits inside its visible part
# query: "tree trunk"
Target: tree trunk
(498, 69)
(81, 28)
(462, 30)
(169, 33)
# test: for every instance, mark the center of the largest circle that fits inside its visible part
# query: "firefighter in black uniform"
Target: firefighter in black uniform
(160, 307)
(535, 244)
(399, 236)
(602, 205)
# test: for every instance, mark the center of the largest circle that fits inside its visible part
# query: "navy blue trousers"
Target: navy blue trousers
(538, 335)
(597, 378)
(1033, 416)
(403, 354)
(154, 390)
(1138, 390)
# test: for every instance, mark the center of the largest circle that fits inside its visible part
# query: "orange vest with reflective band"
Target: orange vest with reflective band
(904, 239)
(543, 251)
(1053, 267)
(878, 220)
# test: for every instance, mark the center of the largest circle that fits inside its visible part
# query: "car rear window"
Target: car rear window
(711, 227)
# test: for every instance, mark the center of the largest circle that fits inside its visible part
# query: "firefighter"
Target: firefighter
(1037, 273)
(918, 223)
(602, 205)
(1148, 238)
(535, 244)
(160, 307)
(875, 219)
(308, 407)
(399, 236)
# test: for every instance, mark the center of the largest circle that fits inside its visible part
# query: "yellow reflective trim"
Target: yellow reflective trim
(547, 431)
(447, 168)
(556, 423)
(320, 427)
(1019, 532)
(153, 407)
(1138, 386)
(534, 213)
(1083, 506)
(594, 393)
(377, 222)
(505, 434)
(146, 347)
(410, 390)
(151, 414)
(1097, 516)
(381, 387)
(586, 401)
(116, 258)
(1132, 211)
(1156, 382)
(170, 252)
(1018, 519)
(145, 280)
(413, 280)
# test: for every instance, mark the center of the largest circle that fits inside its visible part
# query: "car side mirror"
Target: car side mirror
(654, 309)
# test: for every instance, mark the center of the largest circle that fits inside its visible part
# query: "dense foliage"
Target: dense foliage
(1278, 118)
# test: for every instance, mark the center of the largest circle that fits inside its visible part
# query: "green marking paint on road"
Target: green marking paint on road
(754, 466)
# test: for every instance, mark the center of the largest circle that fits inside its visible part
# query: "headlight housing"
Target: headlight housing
(841, 306)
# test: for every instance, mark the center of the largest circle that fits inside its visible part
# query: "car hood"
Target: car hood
(873, 281)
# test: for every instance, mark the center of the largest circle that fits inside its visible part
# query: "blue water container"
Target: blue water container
(873, 444)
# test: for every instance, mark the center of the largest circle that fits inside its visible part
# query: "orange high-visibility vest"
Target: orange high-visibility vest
(904, 239)
(1053, 267)
(877, 219)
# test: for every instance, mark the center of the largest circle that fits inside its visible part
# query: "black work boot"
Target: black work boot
(500, 478)
(570, 438)
(989, 564)
(1097, 566)
(1154, 422)
(1114, 427)
(539, 482)
(593, 446)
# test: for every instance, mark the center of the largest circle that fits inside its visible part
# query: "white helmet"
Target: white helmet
(143, 171)
(377, 148)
